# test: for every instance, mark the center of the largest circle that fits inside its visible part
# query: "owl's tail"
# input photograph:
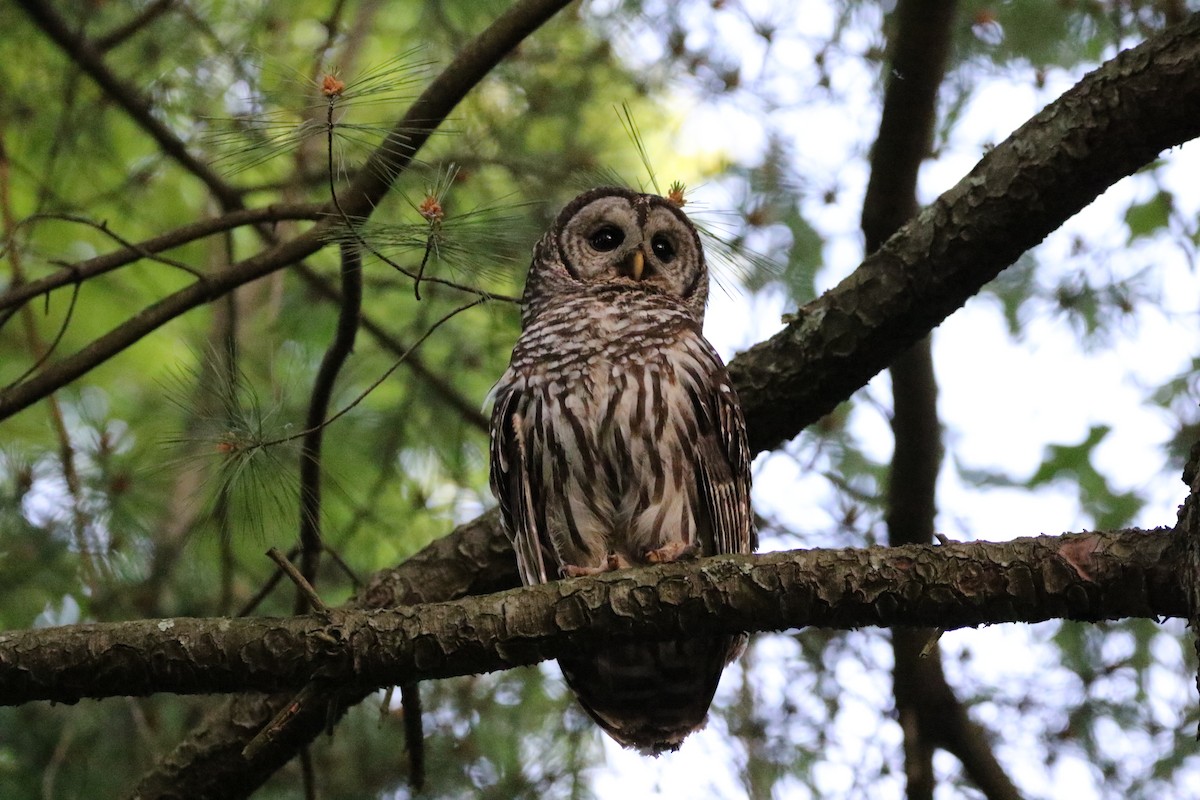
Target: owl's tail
(650, 695)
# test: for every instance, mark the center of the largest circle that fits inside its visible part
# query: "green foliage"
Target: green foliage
(1108, 508)
(1150, 217)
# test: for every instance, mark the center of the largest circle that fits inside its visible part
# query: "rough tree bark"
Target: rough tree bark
(1085, 576)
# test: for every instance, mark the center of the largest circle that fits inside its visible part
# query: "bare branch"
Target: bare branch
(318, 407)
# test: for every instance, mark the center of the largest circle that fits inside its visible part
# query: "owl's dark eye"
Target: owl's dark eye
(664, 251)
(607, 238)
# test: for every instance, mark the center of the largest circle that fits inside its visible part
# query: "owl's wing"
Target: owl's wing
(512, 484)
(723, 466)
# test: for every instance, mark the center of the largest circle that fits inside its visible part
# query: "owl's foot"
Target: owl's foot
(672, 551)
(614, 561)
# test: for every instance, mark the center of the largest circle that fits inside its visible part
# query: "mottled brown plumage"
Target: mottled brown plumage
(617, 440)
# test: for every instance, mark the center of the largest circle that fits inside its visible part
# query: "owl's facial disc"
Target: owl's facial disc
(625, 237)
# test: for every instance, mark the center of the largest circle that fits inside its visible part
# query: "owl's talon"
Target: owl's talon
(672, 551)
(614, 561)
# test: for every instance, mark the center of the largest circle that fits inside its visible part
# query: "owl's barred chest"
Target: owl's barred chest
(589, 348)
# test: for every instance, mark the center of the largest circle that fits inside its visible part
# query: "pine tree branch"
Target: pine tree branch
(1085, 576)
(1115, 121)
(80, 271)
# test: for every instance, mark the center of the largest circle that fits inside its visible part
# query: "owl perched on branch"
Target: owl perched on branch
(617, 440)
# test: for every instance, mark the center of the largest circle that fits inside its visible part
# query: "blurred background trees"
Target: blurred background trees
(148, 487)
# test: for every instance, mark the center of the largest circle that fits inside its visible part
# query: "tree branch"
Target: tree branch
(1109, 125)
(81, 271)
(136, 105)
(336, 354)
(1086, 576)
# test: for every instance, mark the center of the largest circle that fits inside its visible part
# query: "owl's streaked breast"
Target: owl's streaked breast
(608, 393)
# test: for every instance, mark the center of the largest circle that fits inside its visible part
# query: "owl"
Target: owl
(617, 440)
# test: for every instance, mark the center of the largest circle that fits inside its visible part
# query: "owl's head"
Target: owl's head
(620, 237)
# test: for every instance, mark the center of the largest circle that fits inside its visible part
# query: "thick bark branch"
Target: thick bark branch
(1088, 576)
(1111, 124)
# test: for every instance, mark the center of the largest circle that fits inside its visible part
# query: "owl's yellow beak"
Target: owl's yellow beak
(635, 262)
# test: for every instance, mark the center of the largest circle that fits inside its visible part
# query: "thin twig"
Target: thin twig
(102, 227)
(362, 242)
(302, 584)
(468, 410)
(266, 588)
(310, 450)
(424, 260)
(46, 352)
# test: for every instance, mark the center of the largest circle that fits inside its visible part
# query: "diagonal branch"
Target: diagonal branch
(1109, 125)
(81, 271)
(139, 107)
(1085, 576)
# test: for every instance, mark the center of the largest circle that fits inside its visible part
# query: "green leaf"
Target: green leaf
(1146, 219)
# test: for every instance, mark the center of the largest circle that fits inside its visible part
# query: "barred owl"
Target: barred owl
(617, 440)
